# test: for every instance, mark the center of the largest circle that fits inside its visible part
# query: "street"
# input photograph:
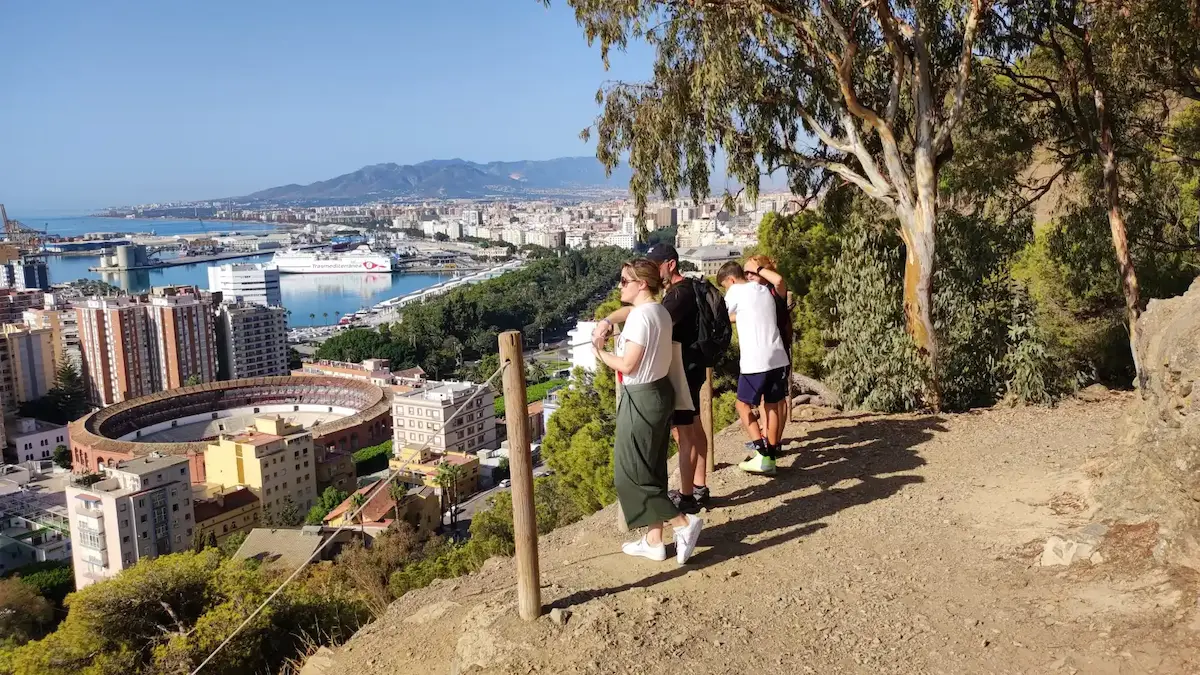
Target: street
(479, 500)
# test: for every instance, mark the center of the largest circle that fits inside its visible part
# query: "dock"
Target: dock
(191, 260)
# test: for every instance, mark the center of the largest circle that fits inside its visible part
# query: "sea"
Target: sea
(314, 299)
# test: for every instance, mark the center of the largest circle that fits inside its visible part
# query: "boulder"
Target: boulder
(1157, 473)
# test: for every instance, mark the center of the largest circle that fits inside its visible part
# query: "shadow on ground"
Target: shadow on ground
(867, 451)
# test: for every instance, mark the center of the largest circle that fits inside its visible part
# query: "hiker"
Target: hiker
(642, 360)
(680, 302)
(763, 363)
(761, 269)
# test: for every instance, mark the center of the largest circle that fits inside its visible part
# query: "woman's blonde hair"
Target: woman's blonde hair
(762, 261)
(647, 271)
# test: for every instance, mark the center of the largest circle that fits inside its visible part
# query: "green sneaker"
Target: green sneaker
(759, 464)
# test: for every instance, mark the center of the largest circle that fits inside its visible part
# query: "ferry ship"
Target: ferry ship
(361, 259)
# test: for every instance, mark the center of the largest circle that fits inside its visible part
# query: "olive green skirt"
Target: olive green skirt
(640, 452)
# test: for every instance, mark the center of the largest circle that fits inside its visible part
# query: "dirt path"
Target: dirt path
(887, 544)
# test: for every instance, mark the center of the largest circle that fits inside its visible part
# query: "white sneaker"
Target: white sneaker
(686, 538)
(644, 550)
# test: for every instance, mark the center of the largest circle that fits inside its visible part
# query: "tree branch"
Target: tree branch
(964, 75)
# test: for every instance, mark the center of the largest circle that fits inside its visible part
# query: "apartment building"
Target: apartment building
(421, 415)
(249, 282)
(26, 363)
(33, 440)
(64, 332)
(274, 459)
(182, 334)
(251, 340)
(227, 513)
(25, 275)
(114, 341)
(14, 302)
(421, 467)
(375, 371)
(34, 524)
(708, 259)
(142, 508)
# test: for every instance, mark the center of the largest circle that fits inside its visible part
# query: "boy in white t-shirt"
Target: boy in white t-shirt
(763, 363)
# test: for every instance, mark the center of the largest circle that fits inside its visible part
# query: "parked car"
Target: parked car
(505, 483)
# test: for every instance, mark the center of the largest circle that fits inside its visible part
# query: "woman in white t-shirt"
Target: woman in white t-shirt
(642, 361)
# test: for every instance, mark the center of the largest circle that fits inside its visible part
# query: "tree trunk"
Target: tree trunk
(919, 244)
(1116, 220)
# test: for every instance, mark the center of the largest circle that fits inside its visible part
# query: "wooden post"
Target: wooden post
(520, 464)
(706, 419)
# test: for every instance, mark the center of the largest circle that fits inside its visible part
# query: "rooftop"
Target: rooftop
(255, 438)
(140, 466)
(207, 509)
(445, 391)
(711, 252)
(20, 426)
(287, 548)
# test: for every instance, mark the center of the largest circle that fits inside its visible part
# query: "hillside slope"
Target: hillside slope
(887, 544)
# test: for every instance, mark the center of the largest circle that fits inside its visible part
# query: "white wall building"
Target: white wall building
(141, 509)
(251, 341)
(251, 282)
(32, 440)
(622, 239)
(579, 339)
(418, 416)
(514, 236)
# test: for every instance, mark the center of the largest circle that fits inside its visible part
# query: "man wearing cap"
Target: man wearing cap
(680, 301)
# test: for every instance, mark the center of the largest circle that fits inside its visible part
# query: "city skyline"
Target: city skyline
(132, 103)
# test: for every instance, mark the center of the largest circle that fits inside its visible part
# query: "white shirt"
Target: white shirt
(648, 325)
(758, 333)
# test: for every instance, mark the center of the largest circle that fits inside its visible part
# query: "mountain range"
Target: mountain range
(453, 179)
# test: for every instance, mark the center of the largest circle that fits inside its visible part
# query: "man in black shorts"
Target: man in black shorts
(680, 301)
(763, 362)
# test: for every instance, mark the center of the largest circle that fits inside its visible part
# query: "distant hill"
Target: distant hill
(453, 178)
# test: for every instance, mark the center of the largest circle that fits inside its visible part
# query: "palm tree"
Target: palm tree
(398, 492)
(447, 479)
(326, 315)
(337, 316)
(312, 319)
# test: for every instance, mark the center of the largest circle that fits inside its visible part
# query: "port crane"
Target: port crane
(18, 234)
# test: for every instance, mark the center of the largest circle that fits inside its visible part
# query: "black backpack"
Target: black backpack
(714, 331)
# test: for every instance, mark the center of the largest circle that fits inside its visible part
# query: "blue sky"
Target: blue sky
(106, 103)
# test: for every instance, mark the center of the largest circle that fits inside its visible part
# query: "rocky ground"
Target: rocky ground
(887, 544)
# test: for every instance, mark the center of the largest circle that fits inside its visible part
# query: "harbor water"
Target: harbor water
(313, 299)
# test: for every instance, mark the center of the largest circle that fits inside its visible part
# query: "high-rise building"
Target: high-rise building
(25, 275)
(274, 459)
(114, 339)
(142, 508)
(13, 303)
(665, 217)
(251, 341)
(181, 331)
(419, 415)
(250, 282)
(64, 333)
(26, 363)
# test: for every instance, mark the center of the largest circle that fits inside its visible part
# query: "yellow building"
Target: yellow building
(423, 466)
(236, 510)
(54, 320)
(28, 373)
(274, 459)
